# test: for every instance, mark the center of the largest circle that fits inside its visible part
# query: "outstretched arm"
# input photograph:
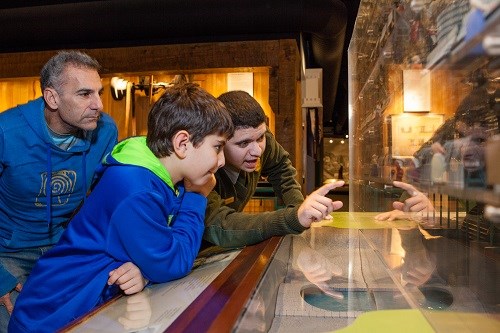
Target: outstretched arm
(227, 227)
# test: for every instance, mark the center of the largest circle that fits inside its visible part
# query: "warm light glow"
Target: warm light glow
(413, 101)
(118, 84)
(331, 141)
(342, 141)
(416, 93)
(118, 87)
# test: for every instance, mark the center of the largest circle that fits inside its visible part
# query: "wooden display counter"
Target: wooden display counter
(210, 299)
(344, 274)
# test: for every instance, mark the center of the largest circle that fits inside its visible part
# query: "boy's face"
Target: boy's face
(244, 149)
(206, 159)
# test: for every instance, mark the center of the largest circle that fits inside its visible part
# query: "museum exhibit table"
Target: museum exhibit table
(347, 274)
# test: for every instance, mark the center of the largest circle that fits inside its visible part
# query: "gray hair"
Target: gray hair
(51, 73)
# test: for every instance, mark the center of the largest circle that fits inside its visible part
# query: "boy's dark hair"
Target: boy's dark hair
(51, 73)
(185, 106)
(245, 111)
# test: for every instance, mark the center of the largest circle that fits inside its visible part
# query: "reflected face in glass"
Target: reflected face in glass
(472, 145)
(244, 149)
(473, 151)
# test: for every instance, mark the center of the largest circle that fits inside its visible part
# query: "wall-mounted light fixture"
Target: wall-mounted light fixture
(121, 88)
(118, 88)
(146, 84)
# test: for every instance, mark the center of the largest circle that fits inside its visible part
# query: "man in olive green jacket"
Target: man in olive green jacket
(252, 153)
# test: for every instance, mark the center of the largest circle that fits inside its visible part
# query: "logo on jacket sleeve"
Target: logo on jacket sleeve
(62, 185)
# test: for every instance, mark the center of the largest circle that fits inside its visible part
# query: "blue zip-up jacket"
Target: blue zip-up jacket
(133, 214)
(29, 160)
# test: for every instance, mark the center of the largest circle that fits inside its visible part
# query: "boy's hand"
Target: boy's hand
(204, 189)
(7, 302)
(317, 206)
(128, 277)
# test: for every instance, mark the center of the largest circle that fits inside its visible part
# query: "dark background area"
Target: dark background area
(325, 26)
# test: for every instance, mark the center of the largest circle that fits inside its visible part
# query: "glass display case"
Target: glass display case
(356, 274)
(424, 110)
(424, 115)
(424, 90)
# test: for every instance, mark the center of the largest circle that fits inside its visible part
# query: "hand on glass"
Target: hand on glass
(138, 311)
(317, 206)
(128, 277)
(7, 302)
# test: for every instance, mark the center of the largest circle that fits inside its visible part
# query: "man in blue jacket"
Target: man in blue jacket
(49, 150)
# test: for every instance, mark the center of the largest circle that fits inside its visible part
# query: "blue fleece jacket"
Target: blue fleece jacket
(133, 214)
(29, 160)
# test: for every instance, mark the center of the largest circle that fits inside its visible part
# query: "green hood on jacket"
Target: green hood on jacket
(134, 151)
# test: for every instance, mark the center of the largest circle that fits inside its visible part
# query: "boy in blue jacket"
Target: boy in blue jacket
(139, 211)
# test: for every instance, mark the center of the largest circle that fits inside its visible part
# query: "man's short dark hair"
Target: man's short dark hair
(51, 73)
(245, 111)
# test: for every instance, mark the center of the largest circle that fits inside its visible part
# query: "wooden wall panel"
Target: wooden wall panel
(261, 94)
(276, 60)
(288, 75)
(14, 92)
(447, 92)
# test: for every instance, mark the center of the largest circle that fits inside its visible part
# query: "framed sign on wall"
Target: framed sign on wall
(410, 131)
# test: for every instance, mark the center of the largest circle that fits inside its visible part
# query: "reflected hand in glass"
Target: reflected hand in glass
(138, 311)
(418, 264)
(411, 208)
(417, 268)
(319, 270)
